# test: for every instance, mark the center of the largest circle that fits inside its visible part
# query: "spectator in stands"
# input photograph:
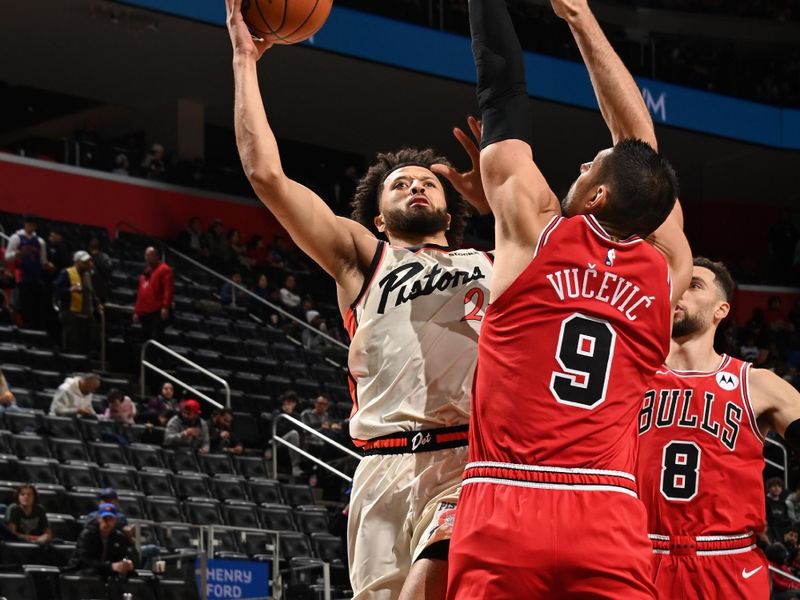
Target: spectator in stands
(26, 518)
(101, 275)
(154, 297)
(268, 294)
(312, 341)
(57, 253)
(153, 165)
(317, 417)
(220, 435)
(103, 549)
(27, 252)
(748, 350)
(793, 504)
(790, 540)
(279, 253)
(219, 251)
(7, 400)
(229, 294)
(288, 294)
(778, 520)
(122, 166)
(165, 402)
(191, 240)
(289, 431)
(120, 408)
(187, 429)
(257, 251)
(238, 249)
(783, 588)
(75, 395)
(75, 293)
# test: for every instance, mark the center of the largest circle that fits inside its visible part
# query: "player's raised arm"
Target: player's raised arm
(342, 247)
(519, 196)
(626, 116)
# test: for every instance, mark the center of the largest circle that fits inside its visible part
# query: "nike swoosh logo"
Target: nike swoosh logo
(748, 574)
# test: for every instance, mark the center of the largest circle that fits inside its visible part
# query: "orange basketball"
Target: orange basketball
(285, 21)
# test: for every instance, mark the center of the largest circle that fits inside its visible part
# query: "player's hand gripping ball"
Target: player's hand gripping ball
(285, 21)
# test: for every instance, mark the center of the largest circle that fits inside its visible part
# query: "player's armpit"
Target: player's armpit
(775, 401)
(670, 240)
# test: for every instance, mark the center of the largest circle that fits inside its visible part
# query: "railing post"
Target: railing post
(203, 576)
(103, 362)
(326, 580)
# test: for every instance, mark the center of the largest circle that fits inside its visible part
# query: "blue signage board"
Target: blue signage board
(236, 579)
(426, 50)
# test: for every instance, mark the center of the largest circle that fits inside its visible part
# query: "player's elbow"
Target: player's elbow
(502, 160)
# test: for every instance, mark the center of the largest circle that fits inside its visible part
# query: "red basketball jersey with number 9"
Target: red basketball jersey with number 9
(701, 453)
(567, 350)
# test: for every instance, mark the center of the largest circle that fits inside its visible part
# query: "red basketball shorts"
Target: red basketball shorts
(739, 576)
(512, 542)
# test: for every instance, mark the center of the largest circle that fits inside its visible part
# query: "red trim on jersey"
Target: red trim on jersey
(744, 383)
(369, 276)
(490, 256)
(724, 362)
(549, 476)
(595, 226)
(703, 545)
(548, 229)
(420, 248)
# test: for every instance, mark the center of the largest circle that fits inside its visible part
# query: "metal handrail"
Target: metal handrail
(784, 574)
(785, 466)
(148, 365)
(240, 287)
(279, 440)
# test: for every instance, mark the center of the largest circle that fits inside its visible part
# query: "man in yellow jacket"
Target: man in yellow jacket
(76, 299)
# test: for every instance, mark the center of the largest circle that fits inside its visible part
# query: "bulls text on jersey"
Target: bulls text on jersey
(592, 284)
(675, 407)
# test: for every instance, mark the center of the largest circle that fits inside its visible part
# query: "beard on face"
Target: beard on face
(416, 222)
(687, 325)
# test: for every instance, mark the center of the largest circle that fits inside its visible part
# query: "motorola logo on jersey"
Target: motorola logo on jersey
(401, 280)
(727, 381)
(676, 407)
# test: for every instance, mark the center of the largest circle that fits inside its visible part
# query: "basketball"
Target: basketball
(287, 21)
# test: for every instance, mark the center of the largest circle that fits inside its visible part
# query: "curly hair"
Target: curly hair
(366, 201)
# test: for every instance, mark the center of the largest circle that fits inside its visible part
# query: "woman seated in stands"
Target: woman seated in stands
(26, 518)
(165, 401)
(120, 408)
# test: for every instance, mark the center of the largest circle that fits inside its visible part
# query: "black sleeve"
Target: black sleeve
(87, 555)
(502, 90)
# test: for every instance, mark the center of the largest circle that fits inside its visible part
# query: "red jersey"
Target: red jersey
(564, 356)
(156, 289)
(701, 453)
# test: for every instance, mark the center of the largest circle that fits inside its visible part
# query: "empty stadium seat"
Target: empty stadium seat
(312, 519)
(118, 478)
(51, 496)
(202, 511)
(245, 428)
(228, 488)
(250, 466)
(328, 547)
(181, 460)
(132, 505)
(23, 420)
(30, 446)
(187, 484)
(62, 427)
(155, 482)
(107, 454)
(165, 509)
(295, 544)
(17, 586)
(263, 491)
(257, 543)
(64, 527)
(176, 589)
(20, 553)
(277, 517)
(216, 464)
(82, 586)
(36, 471)
(68, 449)
(80, 503)
(145, 455)
(181, 537)
(77, 475)
(297, 494)
(239, 513)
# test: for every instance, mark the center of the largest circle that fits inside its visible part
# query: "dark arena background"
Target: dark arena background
(116, 135)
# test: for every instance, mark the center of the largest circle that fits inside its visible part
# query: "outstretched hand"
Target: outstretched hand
(468, 183)
(243, 42)
(568, 8)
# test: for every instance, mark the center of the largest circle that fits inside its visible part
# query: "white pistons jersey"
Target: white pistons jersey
(414, 339)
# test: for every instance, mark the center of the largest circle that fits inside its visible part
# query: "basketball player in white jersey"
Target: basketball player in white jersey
(413, 307)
